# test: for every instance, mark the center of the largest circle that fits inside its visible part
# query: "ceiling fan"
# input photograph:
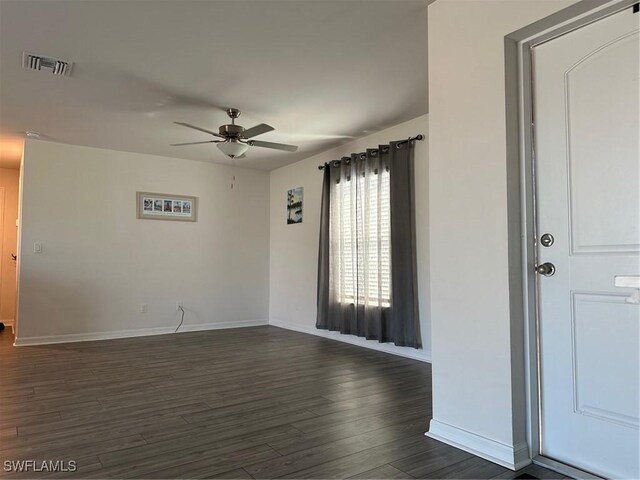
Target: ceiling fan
(235, 139)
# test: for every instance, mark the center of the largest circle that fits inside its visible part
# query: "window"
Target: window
(362, 242)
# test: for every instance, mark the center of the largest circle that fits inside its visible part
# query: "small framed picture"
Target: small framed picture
(294, 205)
(164, 206)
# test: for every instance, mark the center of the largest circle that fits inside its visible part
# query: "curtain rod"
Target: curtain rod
(335, 163)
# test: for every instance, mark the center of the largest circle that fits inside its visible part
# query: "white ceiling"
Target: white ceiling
(319, 71)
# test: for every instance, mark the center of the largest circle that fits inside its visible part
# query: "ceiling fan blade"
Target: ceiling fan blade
(241, 156)
(275, 146)
(188, 125)
(193, 143)
(257, 130)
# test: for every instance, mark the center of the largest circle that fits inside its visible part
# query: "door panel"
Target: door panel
(599, 320)
(586, 109)
(601, 152)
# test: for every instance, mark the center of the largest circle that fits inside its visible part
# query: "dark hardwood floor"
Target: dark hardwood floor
(244, 403)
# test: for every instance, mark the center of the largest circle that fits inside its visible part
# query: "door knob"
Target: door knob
(547, 269)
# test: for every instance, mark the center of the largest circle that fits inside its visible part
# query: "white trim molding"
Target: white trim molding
(407, 352)
(513, 457)
(144, 332)
(224, 325)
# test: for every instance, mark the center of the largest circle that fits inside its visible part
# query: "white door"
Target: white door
(586, 105)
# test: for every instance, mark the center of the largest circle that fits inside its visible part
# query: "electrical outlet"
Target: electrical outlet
(179, 305)
(143, 308)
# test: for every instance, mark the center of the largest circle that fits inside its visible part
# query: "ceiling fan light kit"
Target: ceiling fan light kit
(233, 148)
(235, 139)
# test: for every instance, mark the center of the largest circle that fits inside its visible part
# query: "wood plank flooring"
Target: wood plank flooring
(244, 403)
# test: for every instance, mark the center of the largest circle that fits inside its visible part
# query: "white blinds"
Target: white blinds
(362, 241)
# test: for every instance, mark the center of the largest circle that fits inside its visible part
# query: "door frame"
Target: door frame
(521, 209)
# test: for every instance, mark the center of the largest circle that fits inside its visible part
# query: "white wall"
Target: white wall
(473, 391)
(100, 262)
(294, 248)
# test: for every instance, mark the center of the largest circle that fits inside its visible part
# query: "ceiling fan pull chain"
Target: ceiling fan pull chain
(233, 172)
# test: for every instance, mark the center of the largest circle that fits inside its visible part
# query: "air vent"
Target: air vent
(42, 63)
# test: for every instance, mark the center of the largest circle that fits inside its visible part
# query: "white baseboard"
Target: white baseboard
(223, 325)
(143, 332)
(407, 352)
(513, 457)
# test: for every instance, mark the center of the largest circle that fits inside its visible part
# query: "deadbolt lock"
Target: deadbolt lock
(547, 269)
(546, 240)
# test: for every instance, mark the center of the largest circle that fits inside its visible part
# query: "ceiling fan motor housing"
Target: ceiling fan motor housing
(231, 131)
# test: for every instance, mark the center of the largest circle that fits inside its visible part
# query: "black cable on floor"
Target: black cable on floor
(181, 320)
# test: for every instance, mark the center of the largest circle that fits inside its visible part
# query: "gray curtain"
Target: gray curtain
(323, 254)
(367, 281)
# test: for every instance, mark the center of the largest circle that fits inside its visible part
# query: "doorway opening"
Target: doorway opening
(9, 195)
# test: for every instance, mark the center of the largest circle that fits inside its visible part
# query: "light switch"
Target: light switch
(37, 247)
